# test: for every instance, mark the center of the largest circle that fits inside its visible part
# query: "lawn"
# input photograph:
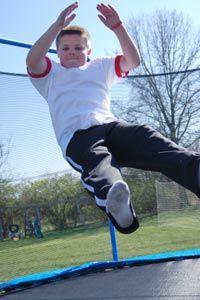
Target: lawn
(169, 232)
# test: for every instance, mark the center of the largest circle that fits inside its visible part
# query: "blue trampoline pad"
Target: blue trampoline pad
(172, 280)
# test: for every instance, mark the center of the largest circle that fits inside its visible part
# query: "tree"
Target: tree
(6, 190)
(4, 151)
(7, 199)
(61, 200)
(167, 43)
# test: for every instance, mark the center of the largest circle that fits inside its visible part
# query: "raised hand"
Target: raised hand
(66, 17)
(109, 16)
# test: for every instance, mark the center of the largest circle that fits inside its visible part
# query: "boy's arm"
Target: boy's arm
(130, 55)
(35, 60)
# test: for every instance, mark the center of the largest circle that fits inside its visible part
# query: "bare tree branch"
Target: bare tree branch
(167, 43)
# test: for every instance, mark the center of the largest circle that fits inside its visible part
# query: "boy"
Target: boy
(92, 140)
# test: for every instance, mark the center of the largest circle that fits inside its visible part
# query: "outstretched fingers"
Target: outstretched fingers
(66, 15)
(68, 10)
(109, 15)
(103, 9)
(102, 19)
(113, 9)
(69, 19)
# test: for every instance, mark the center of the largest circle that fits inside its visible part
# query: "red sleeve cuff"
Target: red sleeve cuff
(117, 67)
(49, 65)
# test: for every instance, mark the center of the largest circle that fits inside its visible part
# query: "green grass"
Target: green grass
(174, 231)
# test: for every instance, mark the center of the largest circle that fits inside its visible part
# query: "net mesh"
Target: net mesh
(25, 123)
(59, 225)
(174, 202)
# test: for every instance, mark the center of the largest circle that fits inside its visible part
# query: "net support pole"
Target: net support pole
(21, 44)
(113, 241)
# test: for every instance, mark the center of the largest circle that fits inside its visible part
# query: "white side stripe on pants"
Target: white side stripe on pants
(99, 202)
(75, 165)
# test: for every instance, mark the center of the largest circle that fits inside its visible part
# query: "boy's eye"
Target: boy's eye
(79, 48)
(65, 48)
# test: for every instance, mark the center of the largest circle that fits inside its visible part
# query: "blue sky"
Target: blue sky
(26, 20)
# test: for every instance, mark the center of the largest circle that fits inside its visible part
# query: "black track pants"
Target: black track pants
(100, 151)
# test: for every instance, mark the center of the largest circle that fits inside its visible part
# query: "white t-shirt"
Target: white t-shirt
(78, 98)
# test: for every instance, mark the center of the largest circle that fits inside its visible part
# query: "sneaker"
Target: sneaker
(118, 204)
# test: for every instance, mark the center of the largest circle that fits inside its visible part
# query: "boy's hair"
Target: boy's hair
(69, 30)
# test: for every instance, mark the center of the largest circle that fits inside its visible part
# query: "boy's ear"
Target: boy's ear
(89, 51)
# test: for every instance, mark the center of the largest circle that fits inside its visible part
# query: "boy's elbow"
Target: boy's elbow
(31, 59)
(128, 64)
(28, 61)
(33, 63)
(137, 62)
(134, 63)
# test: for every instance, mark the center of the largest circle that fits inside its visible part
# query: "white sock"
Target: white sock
(118, 203)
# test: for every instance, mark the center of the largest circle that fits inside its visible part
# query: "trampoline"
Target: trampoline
(163, 280)
(172, 275)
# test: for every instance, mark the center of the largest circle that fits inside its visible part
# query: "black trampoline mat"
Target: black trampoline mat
(170, 280)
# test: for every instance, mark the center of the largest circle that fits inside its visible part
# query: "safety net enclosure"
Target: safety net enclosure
(51, 230)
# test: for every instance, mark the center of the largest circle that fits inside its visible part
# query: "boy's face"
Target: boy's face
(73, 51)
